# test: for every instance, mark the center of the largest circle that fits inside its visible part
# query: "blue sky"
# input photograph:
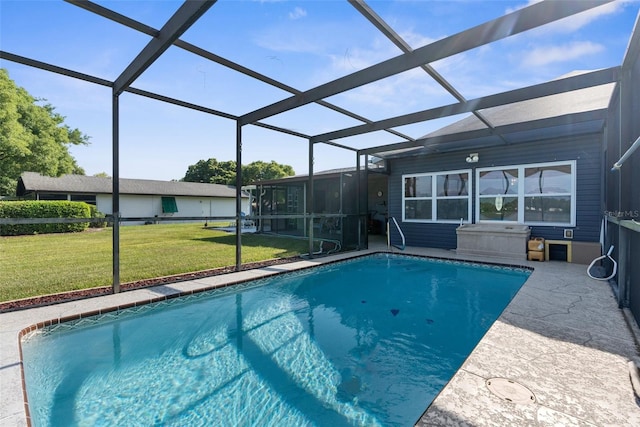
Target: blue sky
(300, 43)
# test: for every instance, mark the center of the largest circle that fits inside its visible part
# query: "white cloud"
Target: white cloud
(522, 6)
(550, 54)
(397, 94)
(416, 40)
(355, 59)
(279, 39)
(577, 21)
(379, 49)
(400, 94)
(297, 13)
(580, 20)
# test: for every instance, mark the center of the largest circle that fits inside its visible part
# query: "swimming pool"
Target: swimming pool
(369, 341)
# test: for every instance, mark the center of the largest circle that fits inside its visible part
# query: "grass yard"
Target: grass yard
(53, 263)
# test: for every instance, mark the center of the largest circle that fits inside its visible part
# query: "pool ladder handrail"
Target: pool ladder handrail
(389, 235)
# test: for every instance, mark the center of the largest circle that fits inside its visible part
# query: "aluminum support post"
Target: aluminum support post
(115, 199)
(310, 200)
(238, 195)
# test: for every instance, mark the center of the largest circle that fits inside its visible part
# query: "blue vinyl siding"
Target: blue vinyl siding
(586, 150)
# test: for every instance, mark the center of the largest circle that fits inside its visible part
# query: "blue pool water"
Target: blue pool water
(365, 342)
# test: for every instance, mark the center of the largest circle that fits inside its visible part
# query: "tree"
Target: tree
(33, 137)
(260, 171)
(214, 172)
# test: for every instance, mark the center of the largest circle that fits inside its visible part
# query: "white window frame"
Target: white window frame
(521, 195)
(434, 197)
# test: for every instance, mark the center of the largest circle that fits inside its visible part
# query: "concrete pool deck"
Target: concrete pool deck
(562, 338)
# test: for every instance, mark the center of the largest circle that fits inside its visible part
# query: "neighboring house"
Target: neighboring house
(139, 198)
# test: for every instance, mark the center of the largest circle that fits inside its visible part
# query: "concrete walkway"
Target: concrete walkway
(558, 355)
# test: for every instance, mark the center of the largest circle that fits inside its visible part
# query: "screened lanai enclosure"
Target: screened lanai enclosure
(342, 199)
(578, 125)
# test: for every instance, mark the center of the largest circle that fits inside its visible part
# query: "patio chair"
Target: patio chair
(245, 223)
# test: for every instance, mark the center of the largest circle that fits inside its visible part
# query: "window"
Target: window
(52, 196)
(539, 194)
(418, 198)
(498, 195)
(548, 194)
(442, 197)
(169, 205)
(87, 198)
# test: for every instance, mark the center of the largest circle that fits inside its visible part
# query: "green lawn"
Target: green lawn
(52, 263)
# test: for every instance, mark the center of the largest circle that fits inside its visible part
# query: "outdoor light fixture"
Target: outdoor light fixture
(473, 158)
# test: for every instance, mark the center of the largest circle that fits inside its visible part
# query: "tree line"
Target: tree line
(34, 138)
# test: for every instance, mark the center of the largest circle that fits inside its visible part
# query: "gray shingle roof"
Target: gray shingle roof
(32, 182)
(575, 112)
(577, 101)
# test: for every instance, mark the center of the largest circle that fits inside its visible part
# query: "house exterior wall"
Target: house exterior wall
(585, 150)
(150, 206)
(103, 203)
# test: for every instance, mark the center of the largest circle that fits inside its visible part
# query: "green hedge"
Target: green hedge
(48, 209)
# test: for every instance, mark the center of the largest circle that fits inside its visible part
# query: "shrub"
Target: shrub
(49, 209)
(95, 213)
